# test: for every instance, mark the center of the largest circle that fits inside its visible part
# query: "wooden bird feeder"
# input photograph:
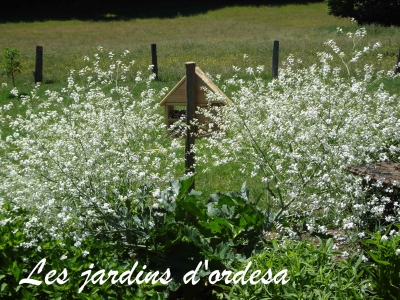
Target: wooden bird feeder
(175, 101)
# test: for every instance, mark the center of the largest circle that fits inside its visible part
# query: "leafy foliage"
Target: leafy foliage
(226, 231)
(384, 267)
(84, 181)
(315, 272)
(17, 262)
(179, 230)
(298, 133)
(11, 65)
(382, 12)
(178, 233)
(94, 143)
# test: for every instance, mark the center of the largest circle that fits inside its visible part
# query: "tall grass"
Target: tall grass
(215, 40)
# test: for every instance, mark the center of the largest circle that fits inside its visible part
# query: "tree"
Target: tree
(11, 65)
(382, 12)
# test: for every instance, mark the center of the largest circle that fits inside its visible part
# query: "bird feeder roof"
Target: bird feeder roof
(177, 96)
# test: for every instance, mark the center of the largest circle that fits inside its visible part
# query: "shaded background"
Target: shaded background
(41, 10)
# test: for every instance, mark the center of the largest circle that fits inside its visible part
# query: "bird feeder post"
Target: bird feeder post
(190, 114)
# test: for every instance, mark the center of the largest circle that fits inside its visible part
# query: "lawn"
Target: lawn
(215, 40)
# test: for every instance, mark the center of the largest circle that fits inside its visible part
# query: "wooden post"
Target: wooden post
(397, 69)
(38, 73)
(190, 112)
(275, 59)
(154, 59)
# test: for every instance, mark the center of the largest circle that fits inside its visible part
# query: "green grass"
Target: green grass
(215, 41)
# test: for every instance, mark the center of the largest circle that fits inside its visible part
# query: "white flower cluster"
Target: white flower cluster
(78, 152)
(300, 131)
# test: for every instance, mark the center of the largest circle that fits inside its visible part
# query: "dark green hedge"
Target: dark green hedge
(23, 10)
(382, 12)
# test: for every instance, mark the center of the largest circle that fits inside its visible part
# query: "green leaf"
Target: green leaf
(3, 286)
(181, 187)
(195, 207)
(377, 260)
(16, 271)
(216, 225)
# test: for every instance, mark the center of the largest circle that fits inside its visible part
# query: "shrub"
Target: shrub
(226, 231)
(94, 143)
(180, 231)
(87, 167)
(177, 233)
(17, 262)
(299, 132)
(11, 65)
(381, 12)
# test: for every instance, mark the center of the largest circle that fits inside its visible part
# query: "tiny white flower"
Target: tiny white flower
(376, 45)
(236, 69)
(14, 92)
(364, 258)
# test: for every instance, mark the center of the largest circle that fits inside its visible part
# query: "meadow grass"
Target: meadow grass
(215, 40)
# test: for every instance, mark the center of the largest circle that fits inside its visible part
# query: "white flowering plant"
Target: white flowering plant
(80, 152)
(299, 132)
(17, 262)
(90, 164)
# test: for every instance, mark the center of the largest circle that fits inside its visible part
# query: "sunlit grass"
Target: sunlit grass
(214, 40)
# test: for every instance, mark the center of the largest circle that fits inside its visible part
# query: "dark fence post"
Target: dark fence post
(154, 59)
(38, 73)
(275, 59)
(397, 69)
(190, 113)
